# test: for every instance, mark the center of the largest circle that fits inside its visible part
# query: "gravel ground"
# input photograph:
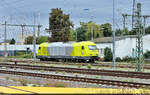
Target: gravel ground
(84, 67)
(51, 82)
(87, 76)
(35, 81)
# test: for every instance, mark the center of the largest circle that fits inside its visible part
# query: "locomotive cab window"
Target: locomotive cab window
(82, 47)
(39, 48)
(92, 47)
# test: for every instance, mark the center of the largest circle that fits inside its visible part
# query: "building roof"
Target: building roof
(109, 39)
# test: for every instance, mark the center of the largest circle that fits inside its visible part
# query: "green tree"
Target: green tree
(107, 54)
(95, 28)
(147, 30)
(147, 54)
(59, 25)
(132, 32)
(12, 41)
(81, 34)
(126, 31)
(42, 39)
(84, 31)
(120, 32)
(72, 35)
(29, 40)
(107, 29)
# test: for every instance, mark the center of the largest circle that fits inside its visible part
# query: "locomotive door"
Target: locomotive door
(82, 50)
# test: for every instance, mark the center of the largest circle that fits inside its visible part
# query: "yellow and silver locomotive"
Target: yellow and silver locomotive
(84, 51)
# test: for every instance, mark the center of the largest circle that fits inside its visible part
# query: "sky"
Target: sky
(99, 11)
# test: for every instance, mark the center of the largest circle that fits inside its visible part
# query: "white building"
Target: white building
(125, 46)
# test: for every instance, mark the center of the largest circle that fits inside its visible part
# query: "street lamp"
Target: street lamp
(86, 9)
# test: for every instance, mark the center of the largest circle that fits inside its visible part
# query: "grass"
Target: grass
(57, 72)
(60, 84)
(51, 65)
(7, 78)
(14, 79)
(89, 66)
(23, 82)
(42, 71)
(63, 73)
(97, 67)
(54, 84)
(126, 80)
(96, 77)
(22, 55)
(34, 85)
(79, 66)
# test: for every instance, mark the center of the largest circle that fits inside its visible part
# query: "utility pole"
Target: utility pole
(34, 42)
(145, 17)
(5, 37)
(144, 24)
(133, 14)
(39, 26)
(22, 26)
(92, 28)
(76, 36)
(124, 24)
(91, 31)
(139, 44)
(140, 31)
(114, 52)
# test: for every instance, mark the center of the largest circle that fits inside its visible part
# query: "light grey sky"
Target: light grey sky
(15, 11)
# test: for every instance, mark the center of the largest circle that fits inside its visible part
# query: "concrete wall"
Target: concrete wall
(125, 47)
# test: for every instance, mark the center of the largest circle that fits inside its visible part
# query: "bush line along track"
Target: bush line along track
(127, 74)
(85, 64)
(79, 79)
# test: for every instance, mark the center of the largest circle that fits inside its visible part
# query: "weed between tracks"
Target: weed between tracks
(89, 66)
(7, 78)
(23, 82)
(55, 84)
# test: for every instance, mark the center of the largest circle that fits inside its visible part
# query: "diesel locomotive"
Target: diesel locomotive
(84, 51)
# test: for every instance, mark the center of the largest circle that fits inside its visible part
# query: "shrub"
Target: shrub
(147, 54)
(20, 53)
(89, 66)
(107, 54)
(23, 82)
(118, 59)
(28, 55)
(7, 78)
(79, 66)
(42, 71)
(128, 59)
(63, 72)
(101, 59)
(14, 79)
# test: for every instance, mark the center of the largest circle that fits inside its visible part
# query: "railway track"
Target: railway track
(80, 79)
(132, 66)
(126, 74)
